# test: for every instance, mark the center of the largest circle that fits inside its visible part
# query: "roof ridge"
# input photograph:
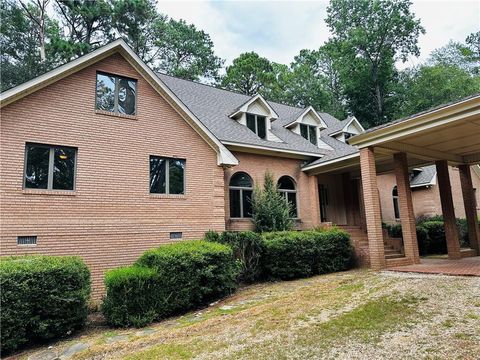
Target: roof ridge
(235, 92)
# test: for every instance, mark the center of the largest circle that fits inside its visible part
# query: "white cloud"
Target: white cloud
(278, 30)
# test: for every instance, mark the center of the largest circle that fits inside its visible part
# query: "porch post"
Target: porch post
(445, 189)
(372, 209)
(470, 207)
(407, 215)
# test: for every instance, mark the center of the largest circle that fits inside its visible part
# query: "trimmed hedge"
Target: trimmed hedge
(42, 297)
(168, 280)
(247, 247)
(436, 243)
(289, 255)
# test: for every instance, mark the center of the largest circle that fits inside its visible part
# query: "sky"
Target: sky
(278, 30)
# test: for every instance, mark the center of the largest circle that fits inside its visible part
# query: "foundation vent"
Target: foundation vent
(176, 235)
(26, 240)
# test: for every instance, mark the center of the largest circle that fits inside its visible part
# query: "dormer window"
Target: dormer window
(309, 132)
(257, 124)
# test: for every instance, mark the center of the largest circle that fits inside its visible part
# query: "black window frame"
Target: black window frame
(311, 132)
(51, 167)
(167, 175)
(240, 189)
(285, 192)
(116, 92)
(256, 130)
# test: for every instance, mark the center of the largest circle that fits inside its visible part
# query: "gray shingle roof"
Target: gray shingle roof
(212, 106)
(424, 177)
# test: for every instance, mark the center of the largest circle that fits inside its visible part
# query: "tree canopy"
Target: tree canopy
(354, 73)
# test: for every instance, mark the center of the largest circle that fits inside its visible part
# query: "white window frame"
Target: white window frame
(241, 188)
(285, 192)
(309, 129)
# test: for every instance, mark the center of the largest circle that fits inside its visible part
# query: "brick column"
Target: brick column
(407, 215)
(445, 189)
(470, 207)
(314, 201)
(372, 209)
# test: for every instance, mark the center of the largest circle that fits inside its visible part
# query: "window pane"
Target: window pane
(157, 175)
(64, 169)
(105, 92)
(286, 183)
(251, 122)
(36, 172)
(247, 203)
(262, 127)
(176, 169)
(234, 203)
(241, 179)
(292, 199)
(126, 96)
(313, 135)
(304, 131)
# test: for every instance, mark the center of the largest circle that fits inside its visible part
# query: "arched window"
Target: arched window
(241, 189)
(396, 209)
(286, 187)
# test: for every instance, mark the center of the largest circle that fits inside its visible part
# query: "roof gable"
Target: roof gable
(224, 156)
(255, 105)
(311, 113)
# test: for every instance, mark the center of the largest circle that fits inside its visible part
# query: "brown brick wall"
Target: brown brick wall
(111, 218)
(256, 166)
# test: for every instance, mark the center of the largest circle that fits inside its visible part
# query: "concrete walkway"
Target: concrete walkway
(464, 267)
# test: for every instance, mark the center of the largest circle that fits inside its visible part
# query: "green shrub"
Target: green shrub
(42, 297)
(247, 247)
(423, 240)
(131, 296)
(290, 255)
(395, 230)
(185, 275)
(271, 212)
(436, 234)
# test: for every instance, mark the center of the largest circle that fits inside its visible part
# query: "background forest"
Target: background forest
(353, 73)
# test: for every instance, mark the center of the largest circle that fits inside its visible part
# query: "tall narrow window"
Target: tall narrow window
(257, 124)
(286, 187)
(309, 132)
(49, 167)
(396, 209)
(116, 94)
(241, 190)
(167, 176)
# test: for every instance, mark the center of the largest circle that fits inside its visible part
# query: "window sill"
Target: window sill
(241, 219)
(49, 192)
(108, 113)
(169, 196)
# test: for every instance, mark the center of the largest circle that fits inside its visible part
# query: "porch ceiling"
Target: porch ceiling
(449, 133)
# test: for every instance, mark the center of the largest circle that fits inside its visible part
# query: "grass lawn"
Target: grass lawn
(351, 315)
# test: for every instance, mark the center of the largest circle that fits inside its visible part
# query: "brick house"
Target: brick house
(104, 158)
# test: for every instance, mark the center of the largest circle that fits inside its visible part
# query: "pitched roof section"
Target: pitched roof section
(424, 177)
(224, 156)
(213, 107)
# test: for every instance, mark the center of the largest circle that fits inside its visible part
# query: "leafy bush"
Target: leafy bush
(185, 275)
(395, 230)
(437, 243)
(42, 297)
(423, 240)
(247, 247)
(131, 297)
(290, 255)
(271, 212)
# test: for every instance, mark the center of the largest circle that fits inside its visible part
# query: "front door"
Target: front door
(323, 193)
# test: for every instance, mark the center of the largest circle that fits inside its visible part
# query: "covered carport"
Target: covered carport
(447, 135)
